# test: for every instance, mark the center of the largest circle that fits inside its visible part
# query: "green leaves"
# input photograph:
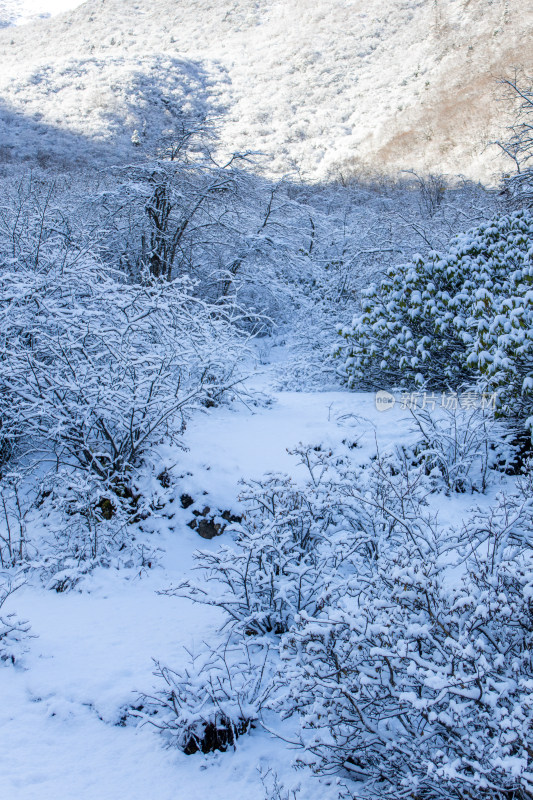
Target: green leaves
(464, 316)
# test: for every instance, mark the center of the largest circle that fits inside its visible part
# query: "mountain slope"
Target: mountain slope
(324, 86)
(20, 12)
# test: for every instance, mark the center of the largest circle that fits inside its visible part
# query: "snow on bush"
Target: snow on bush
(417, 683)
(82, 525)
(70, 523)
(13, 527)
(209, 703)
(461, 448)
(465, 315)
(519, 143)
(93, 371)
(273, 569)
(406, 659)
(275, 789)
(293, 542)
(287, 560)
(13, 631)
(96, 368)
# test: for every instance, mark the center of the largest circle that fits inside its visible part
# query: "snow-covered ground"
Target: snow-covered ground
(61, 707)
(20, 12)
(93, 652)
(322, 87)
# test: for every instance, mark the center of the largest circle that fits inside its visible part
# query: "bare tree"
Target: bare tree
(519, 144)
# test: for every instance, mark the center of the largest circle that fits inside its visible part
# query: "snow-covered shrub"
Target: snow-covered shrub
(462, 316)
(287, 560)
(238, 236)
(209, 703)
(273, 570)
(13, 513)
(275, 789)
(416, 682)
(82, 526)
(406, 656)
(293, 544)
(507, 524)
(460, 446)
(95, 369)
(375, 504)
(13, 631)
(6, 436)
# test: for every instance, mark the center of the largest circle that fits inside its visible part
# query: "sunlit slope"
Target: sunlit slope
(323, 86)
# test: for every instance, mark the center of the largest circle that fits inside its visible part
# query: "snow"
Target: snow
(20, 12)
(73, 754)
(231, 445)
(61, 707)
(94, 649)
(324, 89)
(93, 653)
(309, 84)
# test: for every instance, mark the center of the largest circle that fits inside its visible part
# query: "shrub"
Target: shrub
(95, 369)
(519, 143)
(461, 447)
(13, 631)
(83, 526)
(413, 684)
(208, 704)
(405, 654)
(273, 569)
(463, 316)
(275, 789)
(14, 510)
(293, 545)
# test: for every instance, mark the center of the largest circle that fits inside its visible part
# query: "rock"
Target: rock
(107, 509)
(204, 522)
(164, 479)
(186, 500)
(229, 517)
(208, 529)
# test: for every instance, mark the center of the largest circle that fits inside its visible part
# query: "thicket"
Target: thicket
(460, 317)
(127, 301)
(397, 649)
(14, 632)
(518, 145)
(96, 366)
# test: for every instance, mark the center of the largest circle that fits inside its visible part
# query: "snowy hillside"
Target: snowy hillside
(326, 88)
(20, 12)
